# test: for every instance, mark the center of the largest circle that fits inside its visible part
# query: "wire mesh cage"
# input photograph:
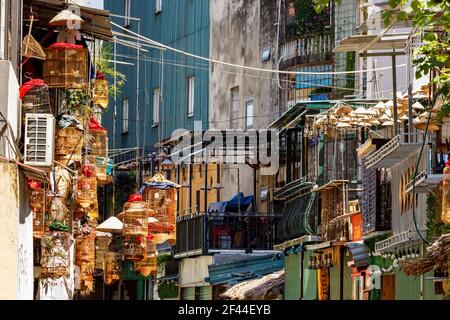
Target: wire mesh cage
(135, 219)
(112, 267)
(99, 167)
(55, 254)
(162, 202)
(134, 247)
(100, 93)
(101, 248)
(36, 100)
(86, 278)
(149, 266)
(39, 206)
(85, 248)
(66, 68)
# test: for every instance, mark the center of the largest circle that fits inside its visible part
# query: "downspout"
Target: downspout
(279, 59)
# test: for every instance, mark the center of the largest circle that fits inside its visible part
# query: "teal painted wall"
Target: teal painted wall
(309, 281)
(182, 24)
(408, 288)
(292, 277)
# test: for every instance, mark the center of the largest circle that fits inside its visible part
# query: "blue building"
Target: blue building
(173, 88)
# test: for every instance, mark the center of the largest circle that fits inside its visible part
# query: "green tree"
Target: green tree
(103, 63)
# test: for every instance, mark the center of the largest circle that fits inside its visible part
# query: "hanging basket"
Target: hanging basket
(55, 255)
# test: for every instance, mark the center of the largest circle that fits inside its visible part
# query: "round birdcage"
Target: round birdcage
(135, 218)
(55, 254)
(85, 248)
(86, 192)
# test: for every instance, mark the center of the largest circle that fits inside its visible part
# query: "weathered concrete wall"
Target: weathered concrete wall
(193, 271)
(240, 31)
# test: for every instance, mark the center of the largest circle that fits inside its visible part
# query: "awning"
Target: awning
(29, 171)
(360, 253)
(243, 269)
(295, 242)
(259, 289)
(359, 42)
(96, 22)
(331, 185)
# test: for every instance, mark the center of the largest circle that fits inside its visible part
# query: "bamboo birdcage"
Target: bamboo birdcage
(85, 249)
(66, 68)
(86, 191)
(163, 203)
(112, 267)
(99, 168)
(36, 100)
(55, 255)
(100, 93)
(98, 143)
(134, 248)
(135, 219)
(69, 142)
(445, 214)
(149, 265)
(39, 206)
(101, 248)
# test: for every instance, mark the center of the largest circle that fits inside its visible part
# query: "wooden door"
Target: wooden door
(388, 287)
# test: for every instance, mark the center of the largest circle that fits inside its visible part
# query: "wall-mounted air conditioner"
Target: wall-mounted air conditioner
(39, 139)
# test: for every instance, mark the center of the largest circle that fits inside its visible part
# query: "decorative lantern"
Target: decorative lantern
(112, 267)
(149, 265)
(445, 215)
(134, 247)
(55, 256)
(100, 90)
(135, 216)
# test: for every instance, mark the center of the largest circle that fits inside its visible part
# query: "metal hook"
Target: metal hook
(27, 75)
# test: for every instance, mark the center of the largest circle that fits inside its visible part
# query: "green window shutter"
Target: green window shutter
(189, 293)
(206, 293)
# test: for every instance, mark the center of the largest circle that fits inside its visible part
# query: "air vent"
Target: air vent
(39, 139)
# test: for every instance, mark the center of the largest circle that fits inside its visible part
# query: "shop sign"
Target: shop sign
(356, 227)
(323, 283)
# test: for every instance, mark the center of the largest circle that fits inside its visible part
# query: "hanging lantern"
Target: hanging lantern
(135, 216)
(445, 215)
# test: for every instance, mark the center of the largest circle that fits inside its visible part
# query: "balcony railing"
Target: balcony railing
(314, 48)
(197, 234)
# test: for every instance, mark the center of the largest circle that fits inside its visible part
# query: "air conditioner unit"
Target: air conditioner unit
(39, 139)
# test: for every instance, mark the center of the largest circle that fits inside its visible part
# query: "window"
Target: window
(249, 114)
(191, 96)
(234, 113)
(158, 6)
(127, 14)
(125, 113)
(156, 99)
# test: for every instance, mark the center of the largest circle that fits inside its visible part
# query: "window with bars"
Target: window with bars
(249, 114)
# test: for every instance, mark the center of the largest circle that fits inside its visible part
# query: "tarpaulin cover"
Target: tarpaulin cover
(63, 45)
(239, 201)
(27, 86)
(94, 125)
(159, 182)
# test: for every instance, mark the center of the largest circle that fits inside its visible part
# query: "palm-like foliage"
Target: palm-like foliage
(103, 63)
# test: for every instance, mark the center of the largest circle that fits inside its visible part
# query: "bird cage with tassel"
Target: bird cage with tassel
(69, 144)
(100, 91)
(101, 248)
(135, 217)
(35, 97)
(86, 192)
(98, 139)
(445, 214)
(38, 203)
(85, 248)
(112, 267)
(134, 247)
(55, 254)
(149, 266)
(66, 66)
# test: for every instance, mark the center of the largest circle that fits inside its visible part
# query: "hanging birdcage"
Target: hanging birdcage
(135, 217)
(133, 247)
(86, 278)
(86, 192)
(112, 267)
(69, 144)
(149, 265)
(163, 203)
(100, 92)
(55, 255)
(36, 99)
(98, 142)
(66, 66)
(99, 168)
(38, 205)
(85, 248)
(101, 248)
(445, 215)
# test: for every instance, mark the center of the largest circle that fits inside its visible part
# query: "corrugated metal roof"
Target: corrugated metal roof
(245, 269)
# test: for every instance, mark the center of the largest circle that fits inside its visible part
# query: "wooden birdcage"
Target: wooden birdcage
(99, 167)
(163, 203)
(112, 267)
(55, 254)
(101, 248)
(134, 248)
(39, 206)
(86, 278)
(69, 142)
(36, 100)
(85, 249)
(100, 92)
(149, 265)
(66, 68)
(135, 219)
(98, 143)
(86, 192)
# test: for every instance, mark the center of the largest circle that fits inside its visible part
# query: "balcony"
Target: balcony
(314, 48)
(201, 233)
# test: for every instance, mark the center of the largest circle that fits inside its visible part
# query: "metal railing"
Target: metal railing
(314, 47)
(227, 231)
